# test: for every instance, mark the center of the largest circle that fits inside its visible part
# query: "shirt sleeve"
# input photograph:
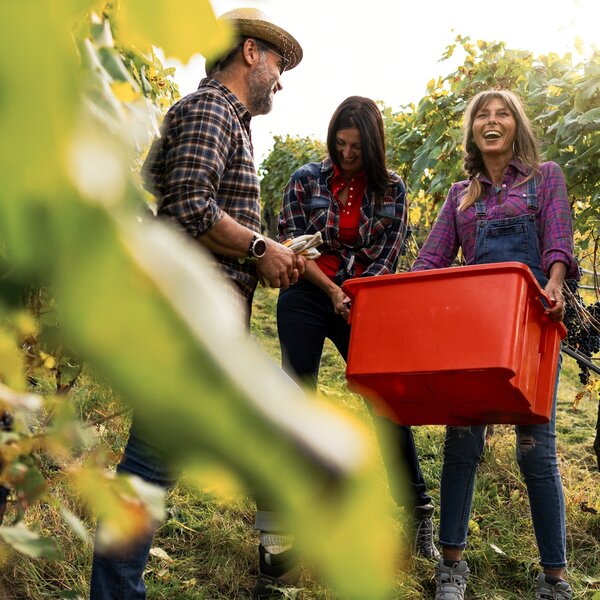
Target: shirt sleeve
(292, 218)
(387, 259)
(200, 142)
(556, 228)
(441, 247)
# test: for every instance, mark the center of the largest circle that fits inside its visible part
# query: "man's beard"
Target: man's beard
(260, 96)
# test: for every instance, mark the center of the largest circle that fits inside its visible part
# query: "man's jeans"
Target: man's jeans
(536, 455)
(118, 576)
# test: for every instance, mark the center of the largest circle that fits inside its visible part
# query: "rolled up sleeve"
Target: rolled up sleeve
(441, 247)
(198, 151)
(292, 218)
(556, 228)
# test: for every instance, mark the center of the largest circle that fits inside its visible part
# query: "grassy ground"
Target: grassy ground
(206, 549)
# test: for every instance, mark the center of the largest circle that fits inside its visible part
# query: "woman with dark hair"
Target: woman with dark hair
(512, 208)
(359, 208)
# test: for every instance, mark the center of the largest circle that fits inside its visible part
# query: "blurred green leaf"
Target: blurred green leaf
(590, 116)
(75, 524)
(27, 122)
(128, 297)
(181, 28)
(30, 543)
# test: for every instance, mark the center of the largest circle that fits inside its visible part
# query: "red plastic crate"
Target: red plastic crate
(457, 346)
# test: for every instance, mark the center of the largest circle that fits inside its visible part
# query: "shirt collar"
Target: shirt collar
(242, 112)
(514, 167)
(328, 166)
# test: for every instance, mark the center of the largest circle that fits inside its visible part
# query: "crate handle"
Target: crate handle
(349, 303)
(546, 302)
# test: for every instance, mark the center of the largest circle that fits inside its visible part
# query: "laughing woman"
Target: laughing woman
(359, 208)
(512, 208)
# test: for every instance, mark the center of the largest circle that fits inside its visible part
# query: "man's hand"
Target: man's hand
(279, 267)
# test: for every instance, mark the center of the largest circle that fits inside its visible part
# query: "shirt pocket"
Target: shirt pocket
(516, 202)
(383, 219)
(318, 213)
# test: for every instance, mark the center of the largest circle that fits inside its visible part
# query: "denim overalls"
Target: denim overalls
(502, 240)
(514, 239)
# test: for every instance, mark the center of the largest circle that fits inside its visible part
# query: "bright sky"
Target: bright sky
(389, 49)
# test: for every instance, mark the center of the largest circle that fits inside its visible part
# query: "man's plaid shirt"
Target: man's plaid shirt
(203, 166)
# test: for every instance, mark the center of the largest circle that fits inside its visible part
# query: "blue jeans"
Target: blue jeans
(118, 575)
(305, 317)
(536, 456)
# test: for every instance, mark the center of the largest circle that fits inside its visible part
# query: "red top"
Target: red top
(349, 218)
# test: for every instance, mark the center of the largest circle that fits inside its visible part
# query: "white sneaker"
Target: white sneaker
(547, 591)
(451, 582)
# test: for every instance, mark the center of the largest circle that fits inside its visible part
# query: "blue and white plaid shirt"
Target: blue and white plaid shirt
(203, 166)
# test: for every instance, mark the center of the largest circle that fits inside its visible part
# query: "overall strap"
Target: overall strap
(532, 199)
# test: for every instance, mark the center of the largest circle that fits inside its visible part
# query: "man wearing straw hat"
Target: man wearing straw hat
(202, 172)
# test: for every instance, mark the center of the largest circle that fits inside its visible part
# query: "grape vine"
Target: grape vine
(583, 326)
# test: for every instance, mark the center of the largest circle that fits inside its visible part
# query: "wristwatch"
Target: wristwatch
(258, 247)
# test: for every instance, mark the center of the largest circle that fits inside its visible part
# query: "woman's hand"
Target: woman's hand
(341, 302)
(553, 288)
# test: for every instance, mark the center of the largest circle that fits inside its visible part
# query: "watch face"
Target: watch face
(260, 247)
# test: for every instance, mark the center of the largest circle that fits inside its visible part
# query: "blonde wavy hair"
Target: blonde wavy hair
(525, 147)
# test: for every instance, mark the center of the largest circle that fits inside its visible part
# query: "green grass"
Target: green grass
(209, 548)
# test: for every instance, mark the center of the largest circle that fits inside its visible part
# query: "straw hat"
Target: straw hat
(251, 22)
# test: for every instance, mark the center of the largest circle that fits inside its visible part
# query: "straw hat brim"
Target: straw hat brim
(251, 22)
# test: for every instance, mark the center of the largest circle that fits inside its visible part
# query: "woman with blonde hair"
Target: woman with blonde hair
(512, 208)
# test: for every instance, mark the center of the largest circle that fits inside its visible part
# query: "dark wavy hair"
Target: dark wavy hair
(365, 115)
(525, 147)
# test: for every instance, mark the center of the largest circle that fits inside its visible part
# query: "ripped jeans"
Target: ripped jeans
(536, 455)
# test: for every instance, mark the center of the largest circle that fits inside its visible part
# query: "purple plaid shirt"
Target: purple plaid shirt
(309, 206)
(454, 229)
(203, 166)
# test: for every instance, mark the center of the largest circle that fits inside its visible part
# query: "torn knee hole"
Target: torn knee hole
(526, 443)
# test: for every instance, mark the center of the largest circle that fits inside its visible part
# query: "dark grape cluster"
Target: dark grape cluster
(6, 421)
(583, 337)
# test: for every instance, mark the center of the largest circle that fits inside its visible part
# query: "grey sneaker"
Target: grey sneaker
(451, 582)
(544, 590)
(424, 530)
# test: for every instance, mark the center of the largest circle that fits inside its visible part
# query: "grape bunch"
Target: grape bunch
(583, 326)
(6, 421)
